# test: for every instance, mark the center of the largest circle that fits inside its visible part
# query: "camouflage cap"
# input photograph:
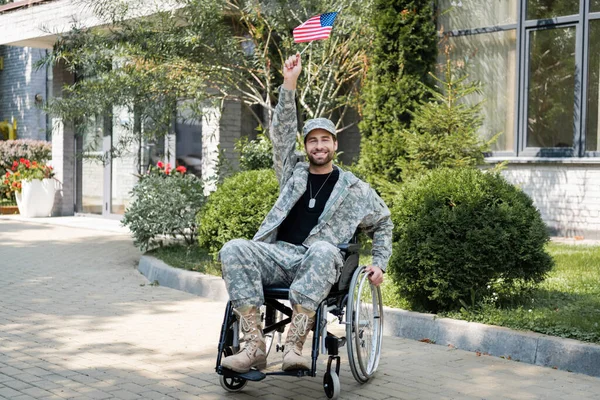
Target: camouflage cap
(318, 123)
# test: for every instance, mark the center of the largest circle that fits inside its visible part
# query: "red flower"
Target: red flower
(181, 169)
(168, 169)
(22, 160)
(160, 164)
(7, 174)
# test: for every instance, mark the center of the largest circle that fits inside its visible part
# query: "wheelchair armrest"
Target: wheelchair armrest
(349, 247)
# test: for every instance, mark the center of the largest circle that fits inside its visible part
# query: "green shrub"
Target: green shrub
(165, 203)
(237, 208)
(255, 154)
(462, 234)
(33, 150)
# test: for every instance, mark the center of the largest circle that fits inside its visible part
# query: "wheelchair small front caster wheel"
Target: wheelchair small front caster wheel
(234, 384)
(331, 385)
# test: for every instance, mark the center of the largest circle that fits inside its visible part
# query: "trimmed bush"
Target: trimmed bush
(462, 234)
(165, 203)
(237, 208)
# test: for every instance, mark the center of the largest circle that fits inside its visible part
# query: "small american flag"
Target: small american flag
(316, 28)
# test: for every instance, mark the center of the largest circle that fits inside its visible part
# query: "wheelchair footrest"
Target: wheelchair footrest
(252, 375)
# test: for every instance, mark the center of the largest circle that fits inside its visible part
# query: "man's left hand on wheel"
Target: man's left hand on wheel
(375, 275)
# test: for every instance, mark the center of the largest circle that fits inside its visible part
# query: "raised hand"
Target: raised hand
(291, 71)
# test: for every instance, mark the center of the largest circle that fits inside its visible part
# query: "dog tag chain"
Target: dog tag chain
(313, 200)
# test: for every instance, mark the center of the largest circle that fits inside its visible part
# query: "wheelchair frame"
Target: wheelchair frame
(346, 298)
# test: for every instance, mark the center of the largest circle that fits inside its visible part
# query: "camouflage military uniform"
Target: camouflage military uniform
(311, 269)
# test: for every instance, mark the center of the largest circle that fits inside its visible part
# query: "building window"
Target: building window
(539, 64)
(471, 14)
(492, 55)
(543, 9)
(551, 87)
(592, 133)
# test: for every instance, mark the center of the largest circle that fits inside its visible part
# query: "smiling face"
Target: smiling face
(320, 148)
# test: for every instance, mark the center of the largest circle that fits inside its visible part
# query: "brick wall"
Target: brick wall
(19, 83)
(567, 195)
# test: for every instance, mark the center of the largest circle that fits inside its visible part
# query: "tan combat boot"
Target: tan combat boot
(254, 353)
(302, 322)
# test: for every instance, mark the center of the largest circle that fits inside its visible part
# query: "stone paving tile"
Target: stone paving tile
(80, 322)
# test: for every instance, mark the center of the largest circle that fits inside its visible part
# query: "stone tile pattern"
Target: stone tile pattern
(77, 321)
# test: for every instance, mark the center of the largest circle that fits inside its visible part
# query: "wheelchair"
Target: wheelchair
(355, 302)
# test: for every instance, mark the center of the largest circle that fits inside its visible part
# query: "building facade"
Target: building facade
(539, 63)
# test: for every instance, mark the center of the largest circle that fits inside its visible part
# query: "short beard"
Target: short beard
(315, 162)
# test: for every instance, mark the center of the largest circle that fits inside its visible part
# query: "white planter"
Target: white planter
(36, 198)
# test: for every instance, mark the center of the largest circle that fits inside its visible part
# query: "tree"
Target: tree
(404, 51)
(444, 130)
(148, 58)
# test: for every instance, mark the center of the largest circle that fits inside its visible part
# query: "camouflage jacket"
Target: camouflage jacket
(352, 205)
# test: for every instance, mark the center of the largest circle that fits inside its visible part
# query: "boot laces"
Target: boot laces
(248, 325)
(299, 327)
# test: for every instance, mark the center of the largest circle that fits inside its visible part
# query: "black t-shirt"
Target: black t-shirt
(302, 218)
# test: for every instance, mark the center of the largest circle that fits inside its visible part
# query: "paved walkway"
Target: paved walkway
(77, 321)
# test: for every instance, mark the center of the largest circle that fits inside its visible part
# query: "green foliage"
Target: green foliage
(404, 51)
(444, 130)
(189, 257)
(205, 52)
(462, 234)
(237, 208)
(255, 154)
(165, 203)
(566, 304)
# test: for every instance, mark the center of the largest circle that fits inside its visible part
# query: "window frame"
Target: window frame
(524, 27)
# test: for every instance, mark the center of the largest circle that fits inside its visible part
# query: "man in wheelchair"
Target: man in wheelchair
(319, 206)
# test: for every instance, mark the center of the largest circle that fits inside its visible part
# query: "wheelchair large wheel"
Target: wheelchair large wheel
(364, 326)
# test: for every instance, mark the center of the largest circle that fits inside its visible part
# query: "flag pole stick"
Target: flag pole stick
(309, 44)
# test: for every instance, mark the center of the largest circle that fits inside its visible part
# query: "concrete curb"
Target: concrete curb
(529, 347)
(187, 281)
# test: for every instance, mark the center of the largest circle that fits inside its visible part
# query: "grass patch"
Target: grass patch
(191, 258)
(566, 304)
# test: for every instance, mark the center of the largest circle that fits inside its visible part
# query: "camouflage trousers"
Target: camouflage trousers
(309, 273)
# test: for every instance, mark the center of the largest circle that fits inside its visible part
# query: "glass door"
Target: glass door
(91, 157)
(108, 167)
